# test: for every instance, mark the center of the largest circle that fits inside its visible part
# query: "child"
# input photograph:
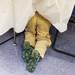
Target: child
(38, 37)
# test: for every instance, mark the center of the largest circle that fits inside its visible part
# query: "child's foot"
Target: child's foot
(32, 63)
(27, 51)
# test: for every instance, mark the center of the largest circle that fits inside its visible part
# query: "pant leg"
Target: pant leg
(43, 36)
(31, 31)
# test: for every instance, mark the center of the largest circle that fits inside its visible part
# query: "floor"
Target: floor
(54, 63)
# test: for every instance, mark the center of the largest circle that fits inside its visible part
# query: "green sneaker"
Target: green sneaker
(32, 63)
(27, 51)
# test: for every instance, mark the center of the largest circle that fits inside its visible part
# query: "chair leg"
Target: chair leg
(55, 38)
(14, 42)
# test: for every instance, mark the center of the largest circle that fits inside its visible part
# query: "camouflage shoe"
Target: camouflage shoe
(32, 63)
(27, 51)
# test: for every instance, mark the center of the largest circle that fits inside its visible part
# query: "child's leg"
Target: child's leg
(30, 31)
(43, 36)
(29, 41)
(30, 56)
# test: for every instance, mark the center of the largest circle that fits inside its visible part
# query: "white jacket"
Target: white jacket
(16, 13)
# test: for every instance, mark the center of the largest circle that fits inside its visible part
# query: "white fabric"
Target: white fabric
(58, 12)
(16, 13)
